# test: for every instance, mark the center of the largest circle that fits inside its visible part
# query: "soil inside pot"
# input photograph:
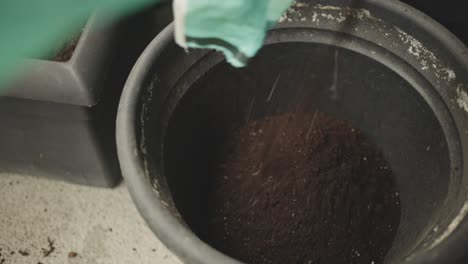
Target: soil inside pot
(301, 188)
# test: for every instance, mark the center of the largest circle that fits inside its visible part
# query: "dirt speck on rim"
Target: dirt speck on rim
(302, 188)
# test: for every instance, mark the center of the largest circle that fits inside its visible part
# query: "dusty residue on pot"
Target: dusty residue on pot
(334, 13)
(144, 118)
(426, 58)
(462, 99)
(344, 13)
(453, 225)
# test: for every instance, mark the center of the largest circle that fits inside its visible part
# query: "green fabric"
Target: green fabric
(239, 23)
(29, 28)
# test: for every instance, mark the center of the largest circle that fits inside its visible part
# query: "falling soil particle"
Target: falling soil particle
(72, 254)
(51, 248)
(302, 188)
(23, 252)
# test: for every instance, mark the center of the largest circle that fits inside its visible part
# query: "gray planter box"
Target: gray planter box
(58, 118)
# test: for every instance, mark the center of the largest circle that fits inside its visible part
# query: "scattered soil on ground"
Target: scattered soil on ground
(50, 248)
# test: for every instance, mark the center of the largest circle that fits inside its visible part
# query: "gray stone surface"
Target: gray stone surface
(100, 225)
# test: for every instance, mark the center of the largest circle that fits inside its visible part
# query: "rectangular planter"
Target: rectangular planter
(77, 81)
(58, 118)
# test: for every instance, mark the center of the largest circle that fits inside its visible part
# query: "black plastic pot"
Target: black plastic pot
(389, 69)
(58, 118)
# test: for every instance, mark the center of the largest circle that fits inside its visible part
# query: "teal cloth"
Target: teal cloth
(235, 27)
(30, 28)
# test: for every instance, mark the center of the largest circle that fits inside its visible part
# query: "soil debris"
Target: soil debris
(51, 248)
(23, 252)
(302, 188)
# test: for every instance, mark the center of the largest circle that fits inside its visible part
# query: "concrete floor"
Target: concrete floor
(100, 225)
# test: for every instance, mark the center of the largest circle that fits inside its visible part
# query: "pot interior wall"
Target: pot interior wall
(299, 77)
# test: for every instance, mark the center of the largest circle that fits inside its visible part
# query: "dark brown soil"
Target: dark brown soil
(302, 188)
(67, 51)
